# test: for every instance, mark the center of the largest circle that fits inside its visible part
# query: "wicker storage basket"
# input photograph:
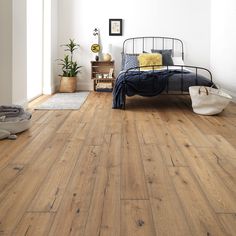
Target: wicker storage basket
(207, 100)
(68, 84)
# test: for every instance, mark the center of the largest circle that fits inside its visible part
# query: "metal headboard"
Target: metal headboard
(143, 44)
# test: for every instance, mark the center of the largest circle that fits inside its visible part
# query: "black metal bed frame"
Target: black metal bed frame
(154, 43)
(163, 40)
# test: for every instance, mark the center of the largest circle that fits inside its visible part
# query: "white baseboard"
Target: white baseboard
(54, 89)
(49, 91)
(80, 87)
(23, 103)
(85, 87)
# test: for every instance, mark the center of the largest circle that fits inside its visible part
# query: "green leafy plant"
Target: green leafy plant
(70, 68)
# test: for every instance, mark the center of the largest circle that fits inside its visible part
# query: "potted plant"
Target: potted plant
(70, 69)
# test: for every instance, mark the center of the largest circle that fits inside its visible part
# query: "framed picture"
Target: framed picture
(115, 27)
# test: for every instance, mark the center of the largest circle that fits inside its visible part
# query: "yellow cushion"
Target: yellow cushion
(150, 59)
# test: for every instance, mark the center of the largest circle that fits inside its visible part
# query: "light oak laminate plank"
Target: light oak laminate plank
(229, 223)
(168, 215)
(72, 214)
(34, 224)
(133, 184)
(51, 191)
(104, 213)
(201, 218)
(14, 202)
(136, 218)
(220, 197)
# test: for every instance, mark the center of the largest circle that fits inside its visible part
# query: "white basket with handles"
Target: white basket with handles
(208, 100)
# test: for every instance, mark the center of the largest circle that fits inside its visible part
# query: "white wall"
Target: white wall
(50, 49)
(54, 43)
(19, 72)
(188, 20)
(223, 44)
(34, 48)
(5, 52)
(13, 52)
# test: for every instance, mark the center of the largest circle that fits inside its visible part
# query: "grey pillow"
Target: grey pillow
(166, 56)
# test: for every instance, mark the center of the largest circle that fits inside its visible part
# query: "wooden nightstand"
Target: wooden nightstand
(102, 74)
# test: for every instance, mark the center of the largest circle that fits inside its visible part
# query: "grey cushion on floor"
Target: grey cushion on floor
(13, 125)
(4, 134)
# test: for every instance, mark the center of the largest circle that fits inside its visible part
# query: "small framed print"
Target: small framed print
(115, 27)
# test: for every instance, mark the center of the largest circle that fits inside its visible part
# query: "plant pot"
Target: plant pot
(68, 84)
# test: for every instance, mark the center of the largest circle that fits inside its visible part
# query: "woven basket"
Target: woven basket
(207, 100)
(68, 84)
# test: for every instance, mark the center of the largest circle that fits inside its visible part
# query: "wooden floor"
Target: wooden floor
(154, 169)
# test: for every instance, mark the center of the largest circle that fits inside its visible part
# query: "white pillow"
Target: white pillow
(178, 61)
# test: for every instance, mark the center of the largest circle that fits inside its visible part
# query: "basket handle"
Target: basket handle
(199, 90)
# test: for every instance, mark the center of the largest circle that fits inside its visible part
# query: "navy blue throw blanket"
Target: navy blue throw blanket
(144, 83)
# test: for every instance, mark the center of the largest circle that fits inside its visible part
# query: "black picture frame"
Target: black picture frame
(115, 27)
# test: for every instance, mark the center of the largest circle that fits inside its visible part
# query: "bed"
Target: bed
(155, 65)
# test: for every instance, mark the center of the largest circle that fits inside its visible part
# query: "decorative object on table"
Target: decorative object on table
(70, 68)
(106, 57)
(107, 51)
(64, 101)
(13, 119)
(115, 27)
(98, 76)
(111, 72)
(95, 47)
(208, 100)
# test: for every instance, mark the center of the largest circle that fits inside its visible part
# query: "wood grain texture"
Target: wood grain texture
(34, 224)
(165, 204)
(73, 212)
(25, 186)
(220, 197)
(136, 218)
(50, 194)
(155, 168)
(229, 223)
(200, 217)
(23, 141)
(133, 184)
(104, 212)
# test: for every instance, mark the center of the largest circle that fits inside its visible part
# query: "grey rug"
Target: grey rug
(61, 101)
